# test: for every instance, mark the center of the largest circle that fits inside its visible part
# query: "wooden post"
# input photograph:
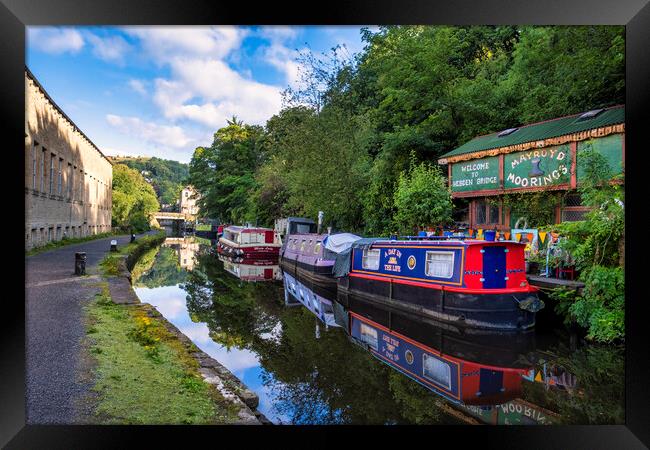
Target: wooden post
(574, 165)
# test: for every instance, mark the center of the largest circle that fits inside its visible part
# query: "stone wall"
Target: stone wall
(68, 180)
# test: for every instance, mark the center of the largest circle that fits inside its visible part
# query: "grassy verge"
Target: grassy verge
(203, 227)
(144, 375)
(110, 265)
(68, 241)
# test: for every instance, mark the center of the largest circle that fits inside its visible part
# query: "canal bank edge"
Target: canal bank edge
(118, 276)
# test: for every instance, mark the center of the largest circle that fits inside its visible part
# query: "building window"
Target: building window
(370, 259)
(369, 336)
(43, 154)
(60, 190)
(52, 156)
(572, 209)
(70, 180)
(481, 212)
(439, 264)
(34, 145)
(493, 216)
(436, 370)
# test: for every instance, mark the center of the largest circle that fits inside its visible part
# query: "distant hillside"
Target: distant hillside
(166, 176)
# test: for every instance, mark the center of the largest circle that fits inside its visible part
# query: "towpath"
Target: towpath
(54, 328)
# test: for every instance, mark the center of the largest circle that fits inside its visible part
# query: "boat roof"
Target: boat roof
(242, 229)
(443, 241)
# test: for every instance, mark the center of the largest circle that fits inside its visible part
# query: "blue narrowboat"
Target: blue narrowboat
(467, 282)
(463, 369)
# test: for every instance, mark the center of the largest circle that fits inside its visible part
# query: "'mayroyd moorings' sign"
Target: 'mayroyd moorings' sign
(537, 168)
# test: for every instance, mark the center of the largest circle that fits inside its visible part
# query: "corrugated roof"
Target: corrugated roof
(542, 130)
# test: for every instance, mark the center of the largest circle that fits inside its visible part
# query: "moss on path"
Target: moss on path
(143, 373)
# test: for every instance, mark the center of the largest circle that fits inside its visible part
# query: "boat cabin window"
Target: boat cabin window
(369, 336)
(302, 245)
(317, 247)
(254, 238)
(370, 259)
(439, 264)
(436, 370)
(301, 228)
(294, 244)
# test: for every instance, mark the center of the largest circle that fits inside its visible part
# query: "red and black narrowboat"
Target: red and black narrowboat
(249, 242)
(471, 283)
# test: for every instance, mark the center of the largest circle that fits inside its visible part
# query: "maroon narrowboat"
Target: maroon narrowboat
(249, 242)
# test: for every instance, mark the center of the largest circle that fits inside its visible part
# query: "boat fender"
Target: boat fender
(518, 223)
(531, 303)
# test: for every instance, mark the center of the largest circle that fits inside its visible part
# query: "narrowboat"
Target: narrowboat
(249, 242)
(463, 369)
(311, 255)
(252, 269)
(318, 301)
(467, 282)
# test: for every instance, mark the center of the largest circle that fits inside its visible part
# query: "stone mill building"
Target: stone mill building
(68, 180)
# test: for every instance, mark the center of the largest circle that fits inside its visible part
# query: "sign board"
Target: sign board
(611, 147)
(476, 175)
(537, 168)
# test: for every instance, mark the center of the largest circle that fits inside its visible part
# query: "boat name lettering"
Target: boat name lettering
(394, 251)
(391, 341)
(393, 264)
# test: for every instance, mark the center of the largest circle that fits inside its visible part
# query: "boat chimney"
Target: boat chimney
(320, 220)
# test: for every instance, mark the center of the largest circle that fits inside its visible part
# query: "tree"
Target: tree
(422, 198)
(223, 173)
(134, 200)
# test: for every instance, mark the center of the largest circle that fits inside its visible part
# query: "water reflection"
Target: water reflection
(252, 269)
(304, 364)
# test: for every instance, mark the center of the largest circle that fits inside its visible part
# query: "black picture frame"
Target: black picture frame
(15, 15)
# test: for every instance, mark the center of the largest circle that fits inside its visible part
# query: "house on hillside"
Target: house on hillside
(543, 156)
(188, 199)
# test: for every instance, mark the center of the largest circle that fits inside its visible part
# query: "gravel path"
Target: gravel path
(54, 329)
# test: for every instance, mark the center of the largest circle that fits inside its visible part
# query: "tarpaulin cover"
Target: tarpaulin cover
(339, 242)
(342, 263)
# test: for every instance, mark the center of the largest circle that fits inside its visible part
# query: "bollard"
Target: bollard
(113, 245)
(80, 263)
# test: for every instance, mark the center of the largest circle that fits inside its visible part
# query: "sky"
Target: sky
(163, 91)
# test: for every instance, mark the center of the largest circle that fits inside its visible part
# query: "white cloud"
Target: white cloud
(55, 40)
(162, 135)
(110, 49)
(163, 43)
(202, 87)
(138, 86)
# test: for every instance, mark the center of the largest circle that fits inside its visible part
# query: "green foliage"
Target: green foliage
(344, 139)
(538, 208)
(166, 176)
(422, 198)
(224, 172)
(134, 200)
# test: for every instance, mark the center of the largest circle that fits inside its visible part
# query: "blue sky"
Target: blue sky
(163, 91)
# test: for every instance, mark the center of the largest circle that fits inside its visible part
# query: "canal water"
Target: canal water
(315, 358)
